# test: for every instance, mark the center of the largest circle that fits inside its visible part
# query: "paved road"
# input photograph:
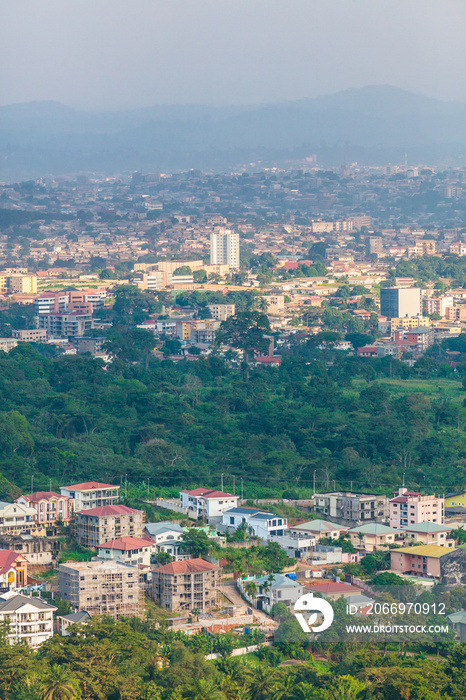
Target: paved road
(230, 591)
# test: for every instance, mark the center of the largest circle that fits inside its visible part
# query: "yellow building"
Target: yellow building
(23, 284)
(458, 499)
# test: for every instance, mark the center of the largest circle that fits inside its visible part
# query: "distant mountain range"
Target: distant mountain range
(375, 124)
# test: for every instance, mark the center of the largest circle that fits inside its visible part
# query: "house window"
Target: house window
(232, 520)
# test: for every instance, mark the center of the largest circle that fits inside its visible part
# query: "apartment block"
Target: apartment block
(91, 494)
(409, 507)
(32, 335)
(207, 503)
(7, 344)
(18, 519)
(23, 284)
(95, 526)
(30, 619)
(397, 302)
(222, 311)
(65, 325)
(352, 508)
(128, 550)
(224, 248)
(49, 507)
(182, 586)
(100, 587)
(438, 305)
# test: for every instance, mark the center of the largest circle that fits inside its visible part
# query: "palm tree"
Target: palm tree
(205, 690)
(251, 589)
(60, 684)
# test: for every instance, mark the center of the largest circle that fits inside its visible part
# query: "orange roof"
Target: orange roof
(125, 544)
(7, 559)
(41, 496)
(90, 486)
(108, 510)
(187, 566)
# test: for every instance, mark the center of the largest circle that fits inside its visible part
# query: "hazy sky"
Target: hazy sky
(107, 54)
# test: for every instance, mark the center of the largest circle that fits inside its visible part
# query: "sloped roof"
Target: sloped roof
(373, 529)
(209, 493)
(426, 550)
(426, 527)
(127, 543)
(41, 496)
(7, 559)
(187, 566)
(18, 601)
(101, 511)
(90, 486)
(160, 528)
(318, 526)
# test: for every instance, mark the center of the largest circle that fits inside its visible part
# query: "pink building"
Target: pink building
(49, 506)
(409, 508)
(423, 560)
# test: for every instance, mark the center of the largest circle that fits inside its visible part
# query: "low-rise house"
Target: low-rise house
(423, 560)
(429, 533)
(30, 619)
(332, 590)
(320, 529)
(458, 620)
(411, 507)
(65, 621)
(455, 499)
(98, 525)
(39, 551)
(271, 589)
(294, 546)
(129, 550)
(262, 524)
(372, 536)
(100, 587)
(352, 508)
(186, 585)
(50, 507)
(18, 519)
(13, 570)
(91, 494)
(168, 538)
(207, 504)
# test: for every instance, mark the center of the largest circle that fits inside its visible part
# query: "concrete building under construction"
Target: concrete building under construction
(101, 587)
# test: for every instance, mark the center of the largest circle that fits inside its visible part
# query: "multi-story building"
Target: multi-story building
(398, 302)
(167, 537)
(429, 533)
(224, 248)
(39, 551)
(50, 302)
(65, 325)
(424, 560)
(7, 344)
(262, 524)
(98, 525)
(49, 507)
(409, 507)
(23, 284)
(128, 550)
(275, 302)
(372, 536)
(32, 335)
(18, 519)
(458, 248)
(207, 504)
(182, 586)
(100, 587)
(91, 494)
(374, 245)
(438, 305)
(221, 311)
(352, 508)
(30, 619)
(13, 570)
(88, 344)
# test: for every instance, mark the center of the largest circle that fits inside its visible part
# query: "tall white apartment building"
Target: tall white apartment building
(224, 248)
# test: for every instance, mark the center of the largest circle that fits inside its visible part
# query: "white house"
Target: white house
(294, 546)
(167, 537)
(129, 550)
(207, 503)
(263, 525)
(31, 619)
(271, 589)
(91, 494)
(17, 519)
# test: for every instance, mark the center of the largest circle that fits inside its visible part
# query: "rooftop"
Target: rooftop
(100, 511)
(209, 493)
(187, 566)
(373, 529)
(318, 526)
(426, 528)
(41, 496)
(425, 550)
(127, 543)
(18, 601)
(7, 559)
(90, 486)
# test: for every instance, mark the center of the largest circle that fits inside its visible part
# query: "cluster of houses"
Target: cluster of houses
(132, 558)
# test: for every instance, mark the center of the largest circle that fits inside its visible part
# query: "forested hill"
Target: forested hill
(69, 419)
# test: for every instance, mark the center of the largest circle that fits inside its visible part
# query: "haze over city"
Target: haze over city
(117, 54)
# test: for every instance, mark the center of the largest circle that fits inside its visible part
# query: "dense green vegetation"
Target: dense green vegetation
(135, 660)
(355, 421)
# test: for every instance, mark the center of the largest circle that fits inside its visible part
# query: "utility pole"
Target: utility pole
(314, 481)
(242, 488)
(126, 485)
(403, 480)
(50, 484)
(32, 483)
(234, 486)
(148, 486)
(221, 489)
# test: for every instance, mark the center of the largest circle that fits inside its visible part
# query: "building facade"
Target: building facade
(13, 570)
(30, 619)
(98, 525)
(352, 508)
(183, 586)
(224, 248)
(91, 494)
(410, 507)
(128, 550)
(397, 302)
(18, 519)
(207, 504)
(49, 507)
(100, 587)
